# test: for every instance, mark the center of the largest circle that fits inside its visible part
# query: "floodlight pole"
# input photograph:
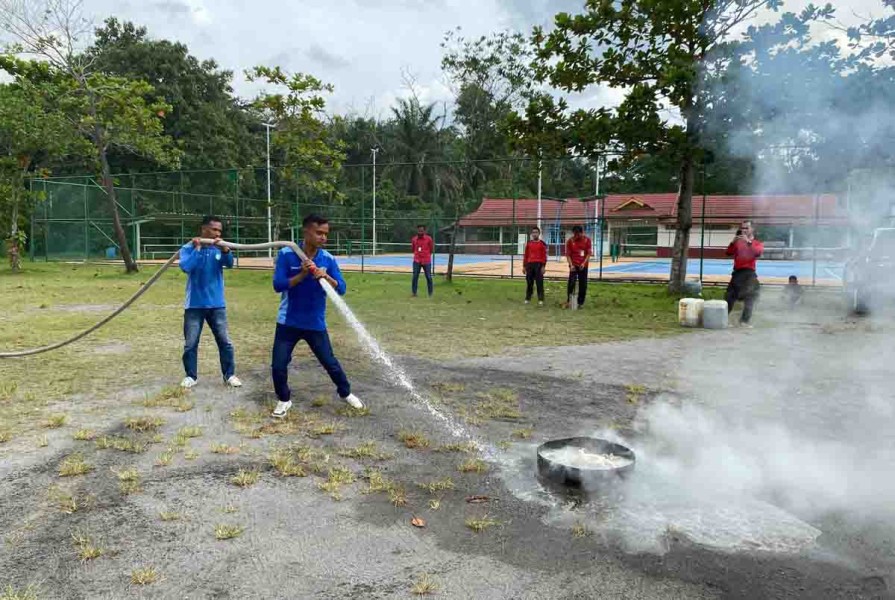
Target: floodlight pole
(539, 194)
(375, 151)
(267, 126)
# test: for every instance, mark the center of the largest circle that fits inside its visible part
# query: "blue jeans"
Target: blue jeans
(284, 343)
(427, 269)
(193, 319)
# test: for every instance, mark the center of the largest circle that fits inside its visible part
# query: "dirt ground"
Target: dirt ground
(297, 541)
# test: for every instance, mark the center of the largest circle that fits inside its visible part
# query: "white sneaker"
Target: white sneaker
(353, 401)
(282, 408)
(528, 301)
(188, 382)
(540, 303)
(234, 381)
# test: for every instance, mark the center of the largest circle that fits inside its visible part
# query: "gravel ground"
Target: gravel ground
(812, 376)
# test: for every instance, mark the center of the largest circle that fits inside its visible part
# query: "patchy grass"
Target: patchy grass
(5, 436)
(336, 478)
(321, 400)
(144, 576)
(633, 392)
(87, 549)
(184, 434)
(55, 421)
(190, 454)
(364, 450)
(164, 459)
(122, 444)
(26, 593)
(144, 423)
(224, 449)
(74, 465)
(481, 524)
(351, 412)
(437, 485)
(448, 387)
(523, 433)
(424, 585)
(245, 478)
(413, 439)
(67, 502)
(174, 397)
(325, 429)
(498, 404)
(128, 481)
(397, 495)
(84, 435)
(169, 515)
(580, 530)
(227, 532)
(284, 462)
(229, 509)
(473, 465)
(434, 503)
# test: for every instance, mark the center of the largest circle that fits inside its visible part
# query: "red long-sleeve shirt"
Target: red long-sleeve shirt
(744, 253)
(535, 252)
(422, 249)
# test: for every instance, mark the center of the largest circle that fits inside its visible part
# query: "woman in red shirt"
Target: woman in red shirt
(534, 263)
(578, 253)
(744, 283)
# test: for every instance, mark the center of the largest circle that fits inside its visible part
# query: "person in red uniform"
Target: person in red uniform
(423, 247)
(744, 285)
(534, 262)
(578, 253)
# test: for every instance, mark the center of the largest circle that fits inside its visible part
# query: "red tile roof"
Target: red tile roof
(718, 209)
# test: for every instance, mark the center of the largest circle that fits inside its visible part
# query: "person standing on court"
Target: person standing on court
(302, 314)
(578, 253)
(534, 263)
(423, 247)
(744, 284)
(204, 303)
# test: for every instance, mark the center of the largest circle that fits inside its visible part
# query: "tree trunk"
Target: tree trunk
(681, 247)
(449, 275)
(13, 247)
(129, 264)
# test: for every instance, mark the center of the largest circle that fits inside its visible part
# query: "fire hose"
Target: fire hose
(145, 287)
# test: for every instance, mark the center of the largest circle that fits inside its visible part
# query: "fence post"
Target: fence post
(363, 216)
(602, 225)
(515, 193)
(46, 227)
(236, 198)
(816, 232)
(702, 226)
(31, 237)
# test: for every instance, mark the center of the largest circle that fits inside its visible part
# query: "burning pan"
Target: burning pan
(554, 471)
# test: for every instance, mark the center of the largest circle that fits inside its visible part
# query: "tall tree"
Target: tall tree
(30, 130)
(109, 111)
(661, 54)
(206, 120)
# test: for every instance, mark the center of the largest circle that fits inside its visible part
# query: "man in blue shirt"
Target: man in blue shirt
(302, 313)
(204, 268)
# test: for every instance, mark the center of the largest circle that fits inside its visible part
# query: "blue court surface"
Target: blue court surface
(805, 270)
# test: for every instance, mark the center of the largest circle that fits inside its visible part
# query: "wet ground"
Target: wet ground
(791, 421)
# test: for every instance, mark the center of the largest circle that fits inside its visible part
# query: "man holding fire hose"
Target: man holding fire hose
(302, 313)
(744, 285)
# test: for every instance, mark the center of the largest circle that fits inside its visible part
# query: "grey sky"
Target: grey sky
(365, 48)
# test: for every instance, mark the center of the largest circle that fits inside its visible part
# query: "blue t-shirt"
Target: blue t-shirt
(204, 270)
(304, 306)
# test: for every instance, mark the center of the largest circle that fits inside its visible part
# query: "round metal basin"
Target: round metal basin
(554, 471)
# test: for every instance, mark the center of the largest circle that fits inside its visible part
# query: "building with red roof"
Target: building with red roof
(645, 224)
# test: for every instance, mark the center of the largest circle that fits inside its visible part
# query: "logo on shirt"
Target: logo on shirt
(217, 256)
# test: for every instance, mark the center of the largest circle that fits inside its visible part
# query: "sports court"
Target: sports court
(647, 268)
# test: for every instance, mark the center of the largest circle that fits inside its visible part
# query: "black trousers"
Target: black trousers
(534, 274)
(743, 286)
(579, 276)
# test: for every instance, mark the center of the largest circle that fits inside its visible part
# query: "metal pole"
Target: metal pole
(236, 197)
(363, 218)
(539, 192)
(267, 127)
(816, 231)
(702, 240)
(597, 222)
(375, 152)
(86, 228)
(602, 221)
(31, 237)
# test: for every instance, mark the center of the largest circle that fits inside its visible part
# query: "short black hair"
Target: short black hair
(209, 219)
(577, 229)
(793, 278)
(314, 219)
(420, 225)
(536, 228)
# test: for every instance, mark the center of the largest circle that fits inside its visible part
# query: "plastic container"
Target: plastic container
(714, 314)
(689, 312)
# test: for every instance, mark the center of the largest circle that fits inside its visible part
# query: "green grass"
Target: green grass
(483, 317)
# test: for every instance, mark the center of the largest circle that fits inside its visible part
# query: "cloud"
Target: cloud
(323, 57)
